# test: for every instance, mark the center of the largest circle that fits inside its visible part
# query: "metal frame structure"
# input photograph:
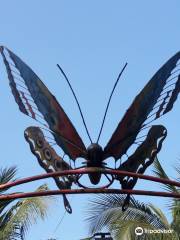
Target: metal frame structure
(86, 190)
(36, 101)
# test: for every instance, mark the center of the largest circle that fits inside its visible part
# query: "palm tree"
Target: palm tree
(105, 212)
(16, 217)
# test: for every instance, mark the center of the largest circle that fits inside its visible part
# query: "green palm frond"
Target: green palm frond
(159, 172)
(173, 204)
(160, 214)
(125, 230)
(7, 175)
(4, 218)
(105, 210)
(3, 205)
(25, 213)
(175, 210)
(177, 169)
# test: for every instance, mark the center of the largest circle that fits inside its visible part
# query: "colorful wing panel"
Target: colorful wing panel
(62, 129)
(143, 156)
(156, 90)
(49, 159)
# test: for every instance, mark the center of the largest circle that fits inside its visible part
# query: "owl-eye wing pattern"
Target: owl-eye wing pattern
(62, 129)
(160, 89)
(49, 159)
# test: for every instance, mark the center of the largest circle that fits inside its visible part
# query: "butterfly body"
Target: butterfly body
(35, 100)
(95, 159)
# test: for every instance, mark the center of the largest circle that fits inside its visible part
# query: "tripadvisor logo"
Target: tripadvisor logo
(139, 231)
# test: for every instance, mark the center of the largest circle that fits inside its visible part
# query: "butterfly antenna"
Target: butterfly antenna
(63, 73)
(102, 125)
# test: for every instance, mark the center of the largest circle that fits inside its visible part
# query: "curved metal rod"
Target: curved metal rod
(79, 107)
(107, 107)
(101, 187)
(87, 191)
(87, 171)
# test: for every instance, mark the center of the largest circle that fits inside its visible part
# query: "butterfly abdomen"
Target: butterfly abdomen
(95, 156)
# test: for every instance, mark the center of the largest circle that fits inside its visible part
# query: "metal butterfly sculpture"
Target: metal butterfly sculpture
(35, 100)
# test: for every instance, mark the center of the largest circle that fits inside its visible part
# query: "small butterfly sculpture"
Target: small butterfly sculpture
(35, 100)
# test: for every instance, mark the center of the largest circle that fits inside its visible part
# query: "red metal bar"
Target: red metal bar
(86, 171)
(87, 191)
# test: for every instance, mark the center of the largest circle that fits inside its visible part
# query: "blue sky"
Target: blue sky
(91, 40)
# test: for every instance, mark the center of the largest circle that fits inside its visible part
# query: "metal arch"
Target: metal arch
(87, 171)
(84, 189)
(87, 191)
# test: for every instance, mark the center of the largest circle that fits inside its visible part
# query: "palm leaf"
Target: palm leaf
(6, 175)
(105, 210)
(25, 213)
(160, 214)
(177, 169)
(126, 229)
(159, 172)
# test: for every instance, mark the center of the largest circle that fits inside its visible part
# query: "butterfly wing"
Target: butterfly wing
(143, 156)
(60, 125)
(144, 106)
(49, 160)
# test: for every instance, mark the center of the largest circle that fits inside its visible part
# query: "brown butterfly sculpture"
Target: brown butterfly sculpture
(35, 100)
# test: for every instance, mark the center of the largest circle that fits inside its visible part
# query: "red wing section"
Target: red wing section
(156, 99)
(62, 129)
